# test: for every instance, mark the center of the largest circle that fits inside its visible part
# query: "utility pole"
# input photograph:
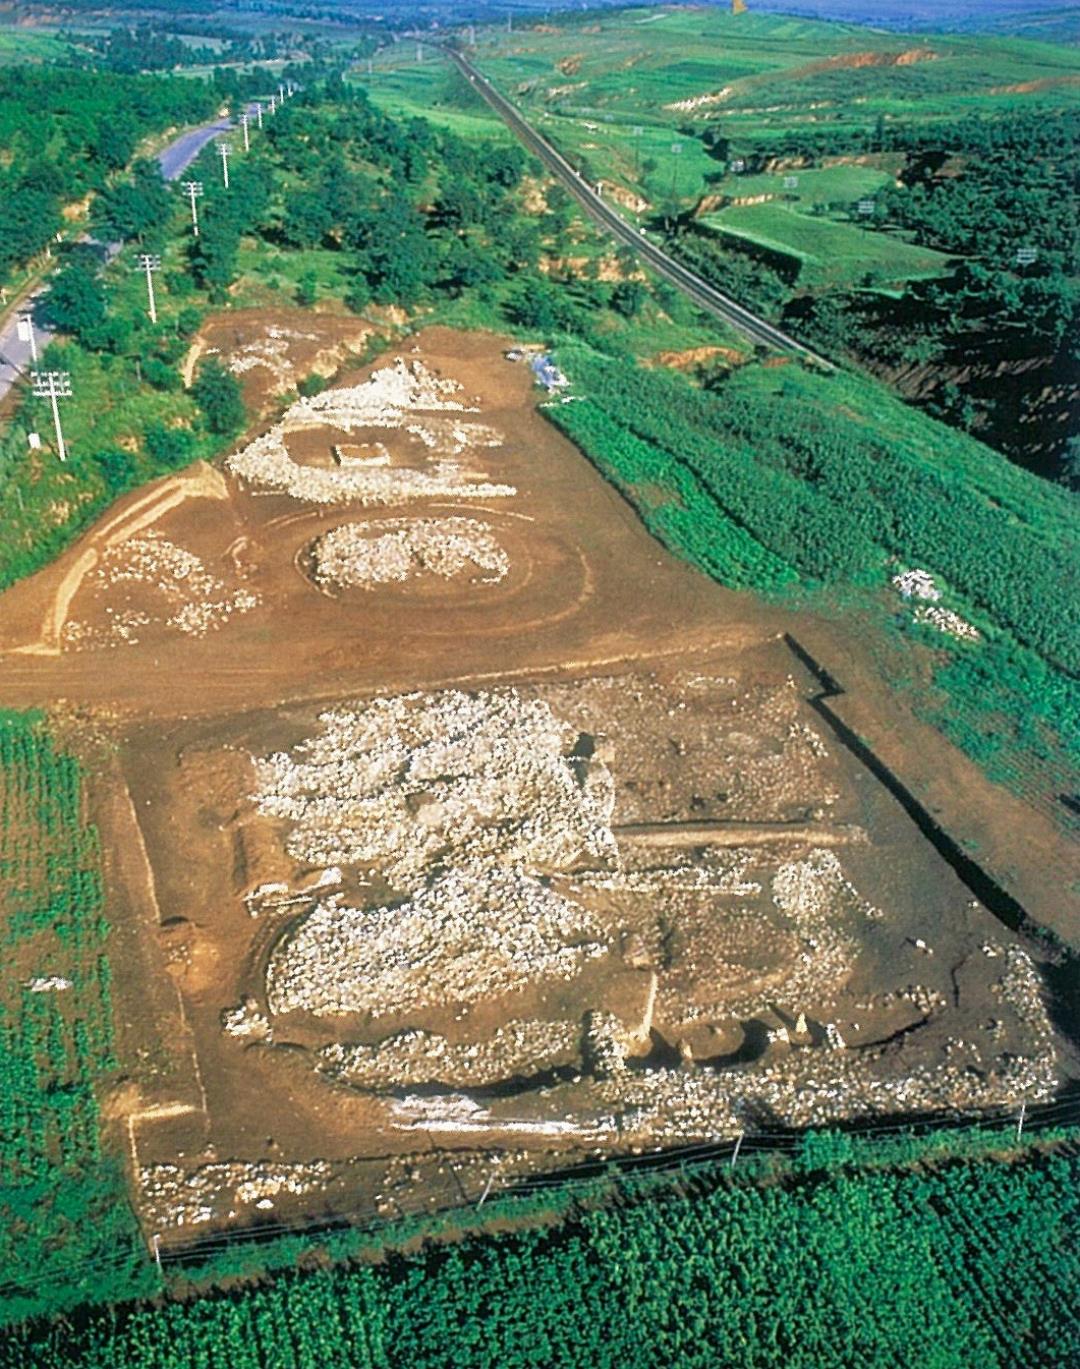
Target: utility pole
(258, 112)
(150, 263)
(419, 53)
(225, 152)
(281, 95)
(25, 331)
(1020, 1121)
(193, 189)
(54, 385)
(289, 88)
(738, 1147)
(676, 151)
(155, 1248)
(638, 131)
(244, 120)
(273, 105)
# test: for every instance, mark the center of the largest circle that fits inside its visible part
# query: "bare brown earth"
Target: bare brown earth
(761, 935)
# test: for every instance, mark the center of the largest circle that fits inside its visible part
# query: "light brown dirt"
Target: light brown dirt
(726, 793)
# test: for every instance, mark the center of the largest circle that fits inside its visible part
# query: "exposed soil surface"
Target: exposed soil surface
(510, 841)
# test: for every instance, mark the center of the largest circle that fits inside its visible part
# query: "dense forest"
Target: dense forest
(1000, 197)
(66, 133)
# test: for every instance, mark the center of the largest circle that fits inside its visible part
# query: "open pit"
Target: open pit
(454, 832)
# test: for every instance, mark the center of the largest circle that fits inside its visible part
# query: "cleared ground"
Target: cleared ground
(453, 828)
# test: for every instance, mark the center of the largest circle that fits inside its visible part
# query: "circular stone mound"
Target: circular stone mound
(394, 550)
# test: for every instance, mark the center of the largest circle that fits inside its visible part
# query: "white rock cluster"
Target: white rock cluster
(173, 1197)
(363, 555)
(945, 620)
(391, 398)
(420, 1057)
(472, 933)
(916, 584)
(270, 352)
(605, 1044)
(245, 1020)
(199, 600)
(460, 778)
(920, 584)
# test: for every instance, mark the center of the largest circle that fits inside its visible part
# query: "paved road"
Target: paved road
(174, 160)
(704, 295)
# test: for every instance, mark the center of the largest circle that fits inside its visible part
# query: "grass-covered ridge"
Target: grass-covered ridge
(782, 474)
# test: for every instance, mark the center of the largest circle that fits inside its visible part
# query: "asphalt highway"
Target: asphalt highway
(706, 296)
(15, 358)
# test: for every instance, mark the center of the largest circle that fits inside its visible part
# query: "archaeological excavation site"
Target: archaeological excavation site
(456, 834)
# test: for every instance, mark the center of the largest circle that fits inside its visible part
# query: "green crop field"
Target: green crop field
(31, 45)
(841, 184)
(756, 75)
(946, 1258)
(66, 1231)
(828, 252)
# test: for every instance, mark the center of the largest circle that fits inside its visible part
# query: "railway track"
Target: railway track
(706, 296)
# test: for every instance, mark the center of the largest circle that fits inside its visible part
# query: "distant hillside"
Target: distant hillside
(1058, 23)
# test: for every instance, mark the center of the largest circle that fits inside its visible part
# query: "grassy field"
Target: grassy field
(30, 45)
(828, 252)
(756, 75)
(67, 1233)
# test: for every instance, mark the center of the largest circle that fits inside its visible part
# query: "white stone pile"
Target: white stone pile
(173, 1197)
(391, 398)
(472, 933)
(245, 1020)
(363, 555)
(606, 1044)
(420, 1057)
(945, 620)
(920, 584)
(457, 778)
(916, 584)
(271, 352)
(823, 908)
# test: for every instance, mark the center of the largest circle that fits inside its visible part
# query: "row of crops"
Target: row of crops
(964, 1261)
(62, 1205)
(783, 475)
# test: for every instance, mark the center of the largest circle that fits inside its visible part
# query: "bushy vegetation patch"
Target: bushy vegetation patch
(783, 474)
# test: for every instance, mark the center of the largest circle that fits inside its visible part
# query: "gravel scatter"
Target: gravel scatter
(421, 1057)
(197, 601)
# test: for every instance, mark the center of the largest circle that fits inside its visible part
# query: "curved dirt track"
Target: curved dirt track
(587, 586)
